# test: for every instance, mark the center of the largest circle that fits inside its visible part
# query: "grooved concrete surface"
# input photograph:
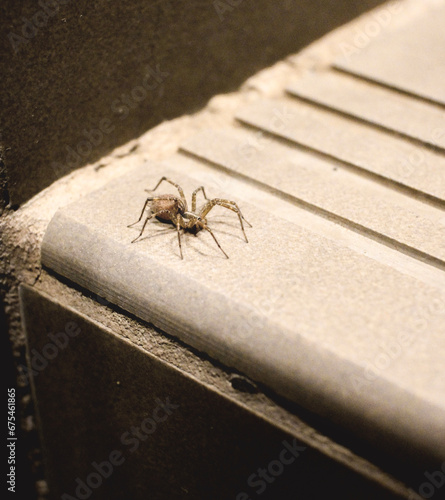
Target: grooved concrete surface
(338, 300)
(396, 112)
(329, 190)
(365, 148)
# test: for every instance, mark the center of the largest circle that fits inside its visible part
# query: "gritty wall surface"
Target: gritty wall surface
(94, 75)
(222, 425)
(22, 231)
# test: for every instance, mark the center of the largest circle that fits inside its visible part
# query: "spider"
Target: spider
(174, 209)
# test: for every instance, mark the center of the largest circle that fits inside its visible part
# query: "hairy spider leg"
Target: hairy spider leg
(188, 224)
(142, 213)
(150, 216)
(177, 186)
(231, 205)
(216, 241)
(178, 229)
(195, 192)
(151, 198)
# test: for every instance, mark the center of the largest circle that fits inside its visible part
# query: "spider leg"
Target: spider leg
(239, 211)
(142, 213)
(150, 216)
(195, 192)
(177, 186)
(231, 205)
(150, 198)
(178, 229)
(216, 241)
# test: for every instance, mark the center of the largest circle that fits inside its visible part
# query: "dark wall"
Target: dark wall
(84, 76)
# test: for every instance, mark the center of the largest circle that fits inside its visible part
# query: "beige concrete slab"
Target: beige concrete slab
(410, 58)
(372, 151)
(329, 190)
(314, 320)
(371, 103)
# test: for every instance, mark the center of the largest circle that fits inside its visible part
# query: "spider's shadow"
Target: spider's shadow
(224, 224)
(158, 232)
(169, 228)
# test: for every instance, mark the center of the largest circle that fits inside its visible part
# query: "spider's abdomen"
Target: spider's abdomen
(166, 206)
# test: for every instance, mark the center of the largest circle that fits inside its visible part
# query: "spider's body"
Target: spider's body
(170, 208)
(166, 206)
(174, 209)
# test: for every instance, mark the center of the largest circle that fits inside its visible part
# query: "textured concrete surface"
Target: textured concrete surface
(409, 58)
(81, 79)
(169, 432)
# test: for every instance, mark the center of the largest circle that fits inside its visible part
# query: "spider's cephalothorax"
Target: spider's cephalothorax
(174, 209)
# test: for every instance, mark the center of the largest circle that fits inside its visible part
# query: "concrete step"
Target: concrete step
(337, 300)
(321, 324)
